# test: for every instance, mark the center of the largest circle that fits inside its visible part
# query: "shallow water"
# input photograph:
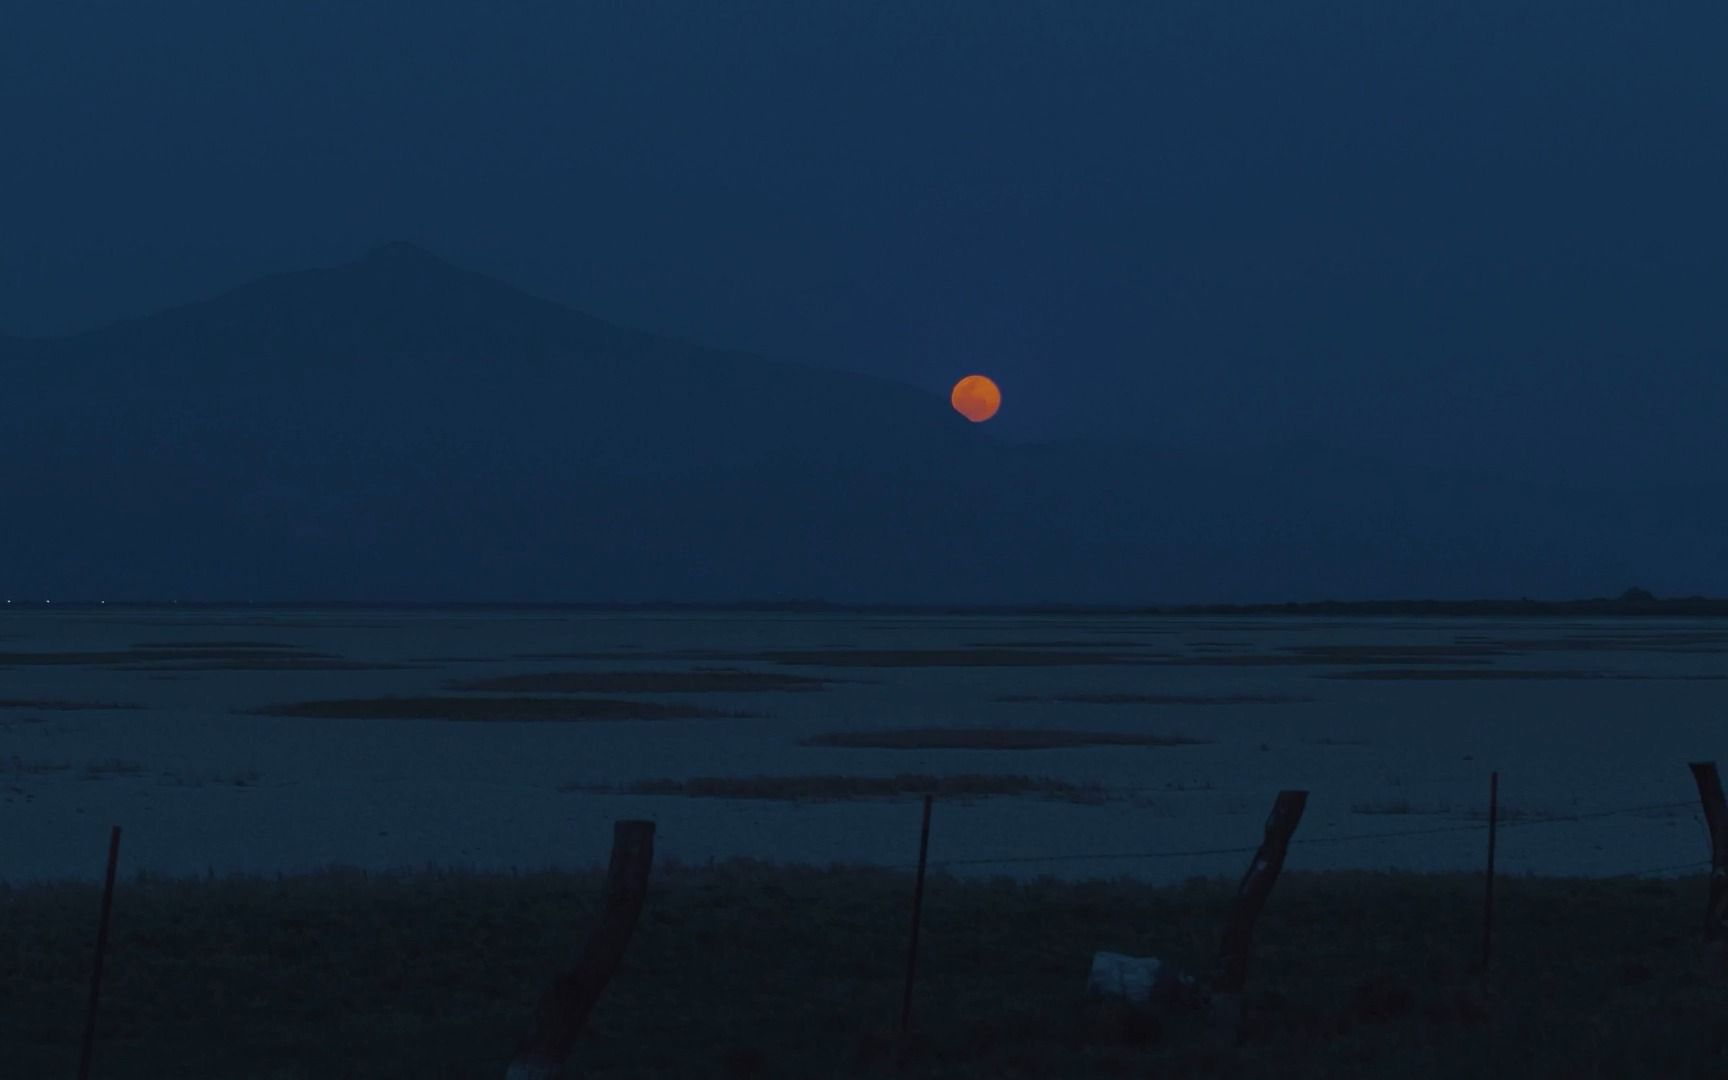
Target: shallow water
(1392, 725)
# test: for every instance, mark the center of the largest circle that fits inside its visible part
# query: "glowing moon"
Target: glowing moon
(976, 398)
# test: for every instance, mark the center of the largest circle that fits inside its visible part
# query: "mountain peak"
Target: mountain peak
(401, 252)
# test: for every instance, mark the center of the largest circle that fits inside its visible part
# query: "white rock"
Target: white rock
(1123, 978)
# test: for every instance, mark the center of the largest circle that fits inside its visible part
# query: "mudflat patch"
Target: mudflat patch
(1683, 642)
(214, 645)
(268, 663)
(57, 705)
(246, 656)
(642, 682)
(1325, 655)
(991, 739)
(196, 656)
(137, 655)
(834, 788)
(488, 709)
(1061, 644)
(1488, 673)
(1157, 699)
(974, 657)
(965, 656)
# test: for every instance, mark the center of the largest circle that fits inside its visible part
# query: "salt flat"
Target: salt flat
(1392, 725)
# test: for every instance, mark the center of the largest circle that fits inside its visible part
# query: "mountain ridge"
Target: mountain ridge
(400, 429)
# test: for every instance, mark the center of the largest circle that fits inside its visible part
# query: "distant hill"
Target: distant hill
(398, 429)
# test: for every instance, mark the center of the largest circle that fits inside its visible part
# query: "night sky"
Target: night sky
(1478, 233)
(660, 304)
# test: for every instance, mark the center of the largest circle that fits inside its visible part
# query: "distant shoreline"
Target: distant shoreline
(1677, 606)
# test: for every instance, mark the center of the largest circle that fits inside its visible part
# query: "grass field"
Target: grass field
(747, 970)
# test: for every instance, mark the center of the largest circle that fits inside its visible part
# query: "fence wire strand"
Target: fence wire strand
(1695, 864)
(1248, 849)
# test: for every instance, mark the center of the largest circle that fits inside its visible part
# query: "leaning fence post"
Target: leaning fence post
(1488, 889)
(101, 950)
(917, 916)
(1716, 818)
(565, 1007)
(1232, 971)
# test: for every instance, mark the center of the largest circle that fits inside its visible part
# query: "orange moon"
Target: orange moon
(976, 398)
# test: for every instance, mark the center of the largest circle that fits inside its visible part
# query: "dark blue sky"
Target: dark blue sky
(1484, 233)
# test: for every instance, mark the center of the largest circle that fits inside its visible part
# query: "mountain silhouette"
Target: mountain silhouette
(400, 429)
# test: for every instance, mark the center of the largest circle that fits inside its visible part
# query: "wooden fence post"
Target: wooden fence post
(917, 915)
(1488, 888)
(1232, 971)
(101, 950)
(1716, 817)
(565, 1007)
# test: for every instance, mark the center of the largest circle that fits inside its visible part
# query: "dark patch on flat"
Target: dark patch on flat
(56, 705)
(1323, 656)
(621, 654)
(1680, 642)
(1069, 644)
(140, 656)
(268, 624)
(1398, 807)
(1381, 653)
(212, 645)
(1301, 660)
(1492, 673)
(1159, 699)
(979, 657)
(1451, 656)
(17, 766)
(990, 739)
(269, 663)
(642, 682)
(971, 656)
(486, 709)
(828, 788)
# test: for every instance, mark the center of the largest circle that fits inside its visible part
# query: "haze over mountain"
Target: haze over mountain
(399, 429)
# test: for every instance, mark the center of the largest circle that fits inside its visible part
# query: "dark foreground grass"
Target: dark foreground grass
(831, 788)
(991, 739)
(744, 970)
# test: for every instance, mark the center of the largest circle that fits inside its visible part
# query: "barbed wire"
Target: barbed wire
(1076, 857)
(1504, 821)
(1595, 814)
(1245, 849)
(1695, 864)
